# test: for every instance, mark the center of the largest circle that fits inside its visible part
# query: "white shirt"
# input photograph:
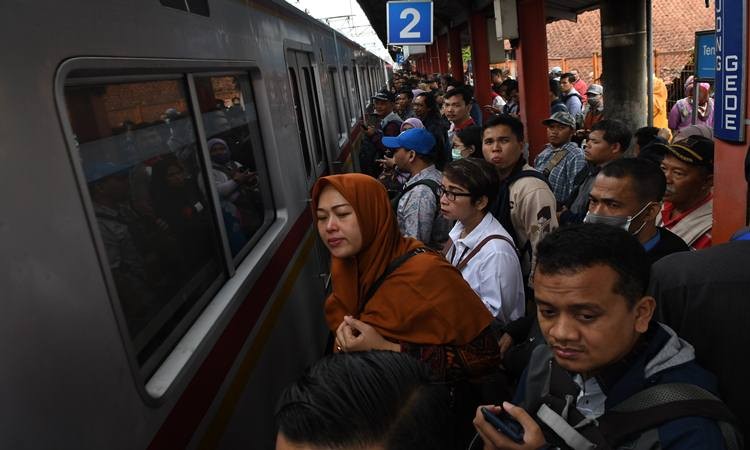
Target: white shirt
(494, 272)
(591, 399)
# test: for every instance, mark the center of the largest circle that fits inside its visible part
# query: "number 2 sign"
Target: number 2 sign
(409, 22)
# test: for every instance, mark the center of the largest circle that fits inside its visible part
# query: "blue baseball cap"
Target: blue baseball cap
(418, 139)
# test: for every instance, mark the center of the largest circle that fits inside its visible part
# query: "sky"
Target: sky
(355, 25)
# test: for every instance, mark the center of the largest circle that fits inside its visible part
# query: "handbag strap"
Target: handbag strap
(475, 250)
(554, 161)
(395, 264)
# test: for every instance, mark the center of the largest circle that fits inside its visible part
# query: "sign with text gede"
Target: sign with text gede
(409, 22)
(729, 106)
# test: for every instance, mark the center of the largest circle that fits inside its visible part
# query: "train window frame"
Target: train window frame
(199, 329)
(339, 111)
(348, 97)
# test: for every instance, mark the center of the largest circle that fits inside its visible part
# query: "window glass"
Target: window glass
(300, 121)
(336, 102)
(147, 184)
(237, 166)
(312, 99)
(348, 95)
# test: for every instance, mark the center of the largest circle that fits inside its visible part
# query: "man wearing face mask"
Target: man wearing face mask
(627, 193)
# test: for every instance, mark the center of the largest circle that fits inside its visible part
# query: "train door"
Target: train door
(307, 108)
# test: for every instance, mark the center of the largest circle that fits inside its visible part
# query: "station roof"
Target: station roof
(449, 13)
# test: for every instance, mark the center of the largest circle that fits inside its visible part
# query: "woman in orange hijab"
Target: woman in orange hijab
(423, 307)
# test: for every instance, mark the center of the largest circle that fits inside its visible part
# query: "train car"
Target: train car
(161, 277)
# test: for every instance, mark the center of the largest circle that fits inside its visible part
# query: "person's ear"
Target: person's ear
(652, 211)
(644, 312)
(481, 203)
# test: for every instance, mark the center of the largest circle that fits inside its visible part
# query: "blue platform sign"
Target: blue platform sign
(705, 55)
(399, 58)
(731, 42)
(409, 22)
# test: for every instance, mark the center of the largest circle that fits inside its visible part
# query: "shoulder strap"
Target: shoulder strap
(554, 161)
(395, 264)
(475, 250)
(432, 184)
(658, 404)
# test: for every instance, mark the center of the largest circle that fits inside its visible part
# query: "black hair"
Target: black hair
(463, 91)
(472, 136)
(364, 399)
(646, 177)
(510, 84)
(430, 103)
(477, 176)
(554, 87)
(580, 246)
(568, 76)
(515, 124)
(645, 135)
(406, 91)
(615, 132)
(496, 72)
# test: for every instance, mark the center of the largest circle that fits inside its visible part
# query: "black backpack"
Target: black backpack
(432, 184)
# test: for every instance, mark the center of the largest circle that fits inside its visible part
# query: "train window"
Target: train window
(340, 125)
(147, 184)
(300, 121)
(348, 96)
(312, 98)
(237, 165)
(191, 6)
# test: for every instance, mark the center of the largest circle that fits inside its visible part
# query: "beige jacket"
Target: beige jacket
(532, 212)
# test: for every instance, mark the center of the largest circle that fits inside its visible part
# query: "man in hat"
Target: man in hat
(417, 206)
(688, 201)
(384, 122)
(594, 110)
(561, 159)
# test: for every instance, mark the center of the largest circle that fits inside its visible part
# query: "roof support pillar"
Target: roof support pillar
(533, 81)
(624, 42)
(457, 63)
(442, 49)
(480, 55)
(432, 54)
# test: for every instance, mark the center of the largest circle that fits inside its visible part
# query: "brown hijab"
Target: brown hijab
(425, 301)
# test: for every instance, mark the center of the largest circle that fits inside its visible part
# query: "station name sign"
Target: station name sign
(731, 42)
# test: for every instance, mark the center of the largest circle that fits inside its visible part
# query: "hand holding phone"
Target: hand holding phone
(505, 424)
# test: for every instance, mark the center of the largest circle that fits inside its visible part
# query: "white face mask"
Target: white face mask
(617, 221)
(456, 153)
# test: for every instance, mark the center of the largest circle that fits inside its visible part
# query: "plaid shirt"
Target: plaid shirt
(562, 176)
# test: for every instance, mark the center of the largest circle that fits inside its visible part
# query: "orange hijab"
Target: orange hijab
(425, 301)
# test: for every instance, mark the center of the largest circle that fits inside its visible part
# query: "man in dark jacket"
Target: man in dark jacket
(602, 348)
(627, 193)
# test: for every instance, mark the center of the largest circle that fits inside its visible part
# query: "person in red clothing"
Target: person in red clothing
(580, 85)
(688, 201)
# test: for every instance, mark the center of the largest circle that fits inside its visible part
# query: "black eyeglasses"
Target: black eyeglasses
(450, 195)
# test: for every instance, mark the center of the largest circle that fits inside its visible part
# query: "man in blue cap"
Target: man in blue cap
(417, 206)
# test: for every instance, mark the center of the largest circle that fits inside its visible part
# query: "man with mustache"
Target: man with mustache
(688, 201)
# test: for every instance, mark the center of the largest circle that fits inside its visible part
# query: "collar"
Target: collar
(653, 242)
(668, 209)
(466, 123)
(615, 376)
(422, 174)
(476, 235)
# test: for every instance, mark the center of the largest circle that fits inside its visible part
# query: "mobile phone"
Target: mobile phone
(505, 424)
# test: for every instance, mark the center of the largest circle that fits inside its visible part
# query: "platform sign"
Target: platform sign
(705, 55)
(731, 42)
(400, 58)
(409, 22)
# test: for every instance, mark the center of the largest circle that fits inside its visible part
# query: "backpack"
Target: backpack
(501, 209)
(632, 424)
(432, 184)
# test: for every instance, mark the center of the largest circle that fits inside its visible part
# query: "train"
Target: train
(162, 279)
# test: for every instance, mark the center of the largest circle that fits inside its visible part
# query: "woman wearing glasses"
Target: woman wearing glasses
(480, 247)
(392, 293)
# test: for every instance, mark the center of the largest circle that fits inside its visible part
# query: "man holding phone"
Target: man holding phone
(603, 349)
(384, 122)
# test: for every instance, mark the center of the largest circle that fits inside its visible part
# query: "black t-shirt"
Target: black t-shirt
(668, 243)
(705, 297)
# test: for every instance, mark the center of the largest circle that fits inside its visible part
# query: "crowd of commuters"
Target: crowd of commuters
(454, 257)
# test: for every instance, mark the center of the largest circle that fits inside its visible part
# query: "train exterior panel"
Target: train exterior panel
(196, 357)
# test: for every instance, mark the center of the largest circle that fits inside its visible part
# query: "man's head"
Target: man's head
(590, 283)
(403, 99)
(364, 400)
(510, 89)
(383, 102)
(575, 74)
(566, 82)
(496, 75)
(595, 96)
(502, 141)
(609, 139)
(688, 166)
(457, 105)
(627, 193)
(413, 149)
(560, 128)
(424, 105)
(554, 89)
